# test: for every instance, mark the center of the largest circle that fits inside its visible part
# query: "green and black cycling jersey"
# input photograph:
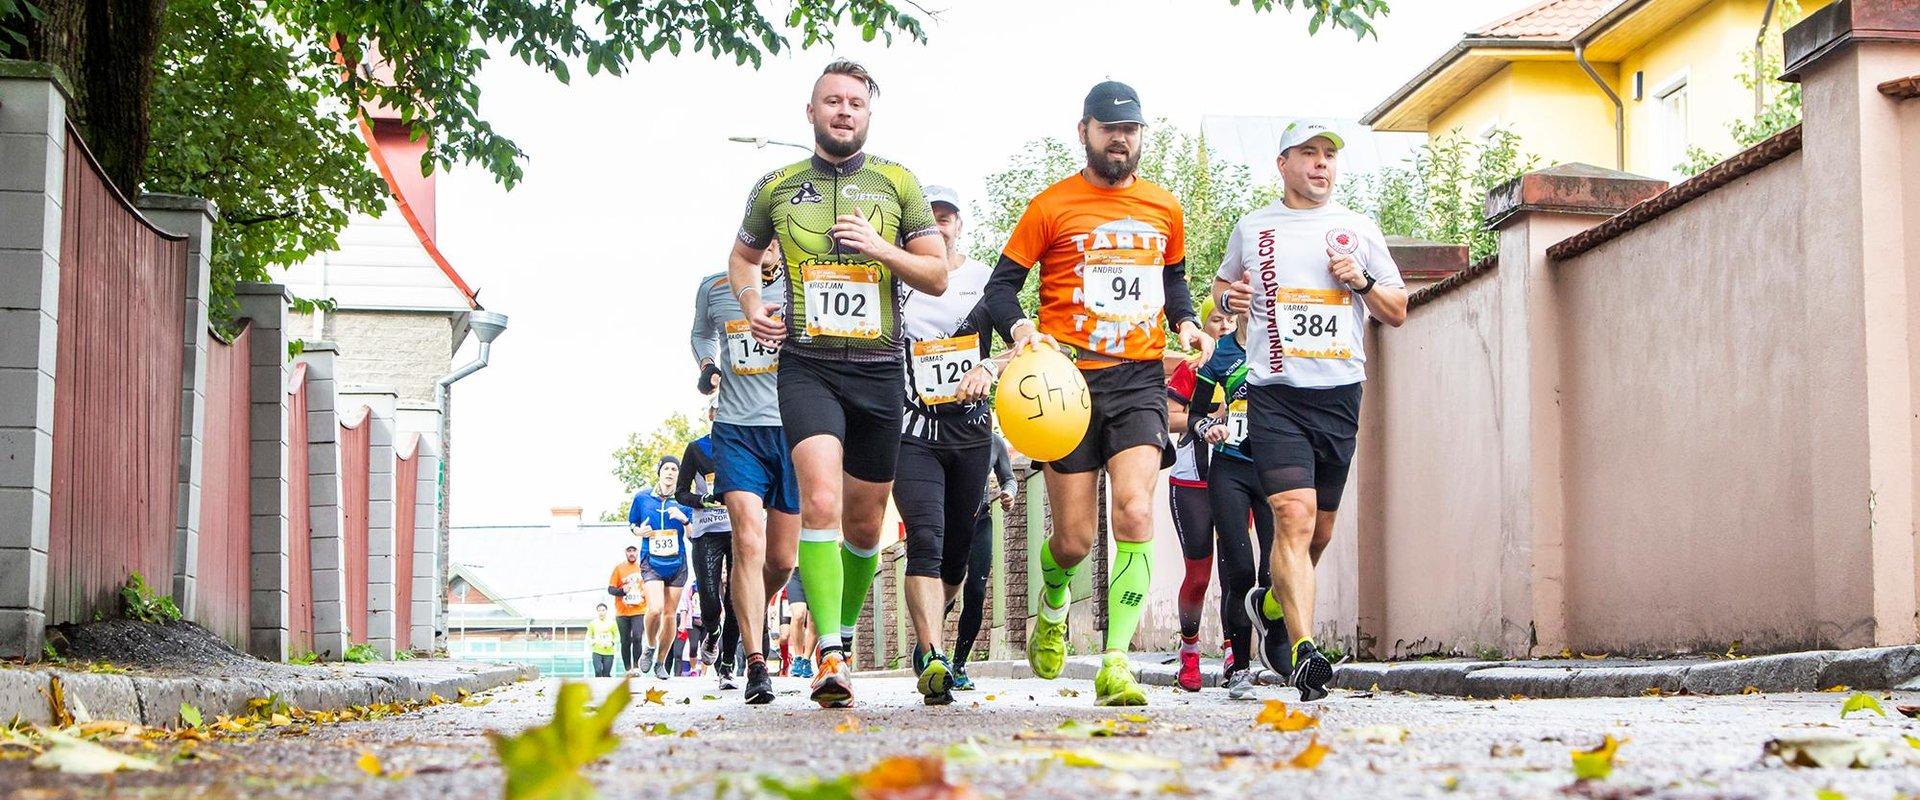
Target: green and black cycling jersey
(841, 305)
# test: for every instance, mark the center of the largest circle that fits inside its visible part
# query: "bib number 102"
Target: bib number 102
(842, 304)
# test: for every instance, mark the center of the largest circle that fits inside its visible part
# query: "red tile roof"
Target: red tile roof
(1552, 20)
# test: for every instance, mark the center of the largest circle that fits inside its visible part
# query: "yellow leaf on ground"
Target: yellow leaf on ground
(462, 693)
(1310, 756)
(1828, 794)
(1837, 688)
(370, 764)
(81, 757)
(991, 697)
(1113, 759)
(688, 734)
(1750, 690)
(544, 761)
(56, 694)
(656, 696)
(1276, 715)
(1516, 696)
(1911, 741)
(1861, 701)
(280, 720)
(851, 724)
(1596, 764)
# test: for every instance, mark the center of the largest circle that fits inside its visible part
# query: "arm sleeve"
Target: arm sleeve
(1002, 462)
(1179, 306)
(982, 322)
(1002, 298)
(705, 345)
(1202, 406)
(613, 584)
(1180, 386)
(692, 462)
(756, 226)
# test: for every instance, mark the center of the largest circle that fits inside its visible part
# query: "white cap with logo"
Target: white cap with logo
(942, 194)
(1303, 130)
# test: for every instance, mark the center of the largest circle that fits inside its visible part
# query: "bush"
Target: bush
(139, 602)
(1441, 193)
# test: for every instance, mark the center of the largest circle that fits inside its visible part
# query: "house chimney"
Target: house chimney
(566, 519)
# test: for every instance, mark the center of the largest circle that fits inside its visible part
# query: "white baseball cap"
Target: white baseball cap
(942, 194)
(1303, 130)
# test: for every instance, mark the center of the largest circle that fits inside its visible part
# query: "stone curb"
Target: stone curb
(1877, 668)
(156, 701)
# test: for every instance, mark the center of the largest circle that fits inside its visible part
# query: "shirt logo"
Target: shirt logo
(807, 194)
(1343, 241)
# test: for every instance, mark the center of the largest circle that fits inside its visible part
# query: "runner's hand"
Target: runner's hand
(1345, 270)
(975, 385)
(1006, 500)
(1239, 297)
(1215, 434)
(766, 326)
(677, 514)
(1032, 340)
(641, 529)
(854, 232)
(1192, 338)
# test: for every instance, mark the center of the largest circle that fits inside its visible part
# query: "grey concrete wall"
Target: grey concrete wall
(193, 218)
(381, 404)
(265, 304)
(33, 153)
(326, 545)
(405, 351)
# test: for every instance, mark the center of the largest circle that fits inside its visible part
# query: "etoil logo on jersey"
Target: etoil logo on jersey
(807, 194)
(1343, 241)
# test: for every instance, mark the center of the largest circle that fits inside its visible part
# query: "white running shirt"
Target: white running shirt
(1317, 337)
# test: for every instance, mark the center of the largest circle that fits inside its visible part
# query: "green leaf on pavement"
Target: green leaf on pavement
(190, 715)
(1113, 759)
(80, 757)
(544, 761)
(1861, 701)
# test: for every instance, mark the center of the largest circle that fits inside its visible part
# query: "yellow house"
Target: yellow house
(1628, 84)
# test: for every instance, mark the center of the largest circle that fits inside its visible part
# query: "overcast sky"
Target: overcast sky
(633, 192)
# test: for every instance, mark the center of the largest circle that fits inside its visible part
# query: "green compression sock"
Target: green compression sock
(1127, 587)
(1270, 606)
(820, 576)
(1055, 580)
(858, 568)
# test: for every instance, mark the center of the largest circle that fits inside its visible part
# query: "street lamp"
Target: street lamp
(761, 142)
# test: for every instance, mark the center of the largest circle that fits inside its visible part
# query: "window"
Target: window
(1671, 115)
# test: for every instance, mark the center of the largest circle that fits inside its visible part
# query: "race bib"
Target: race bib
(938, 366)
(749, 355)
(842, 300)
(663, 544)
(1236, 423)
(631, 584)
(1314, 322)
(1123, 292)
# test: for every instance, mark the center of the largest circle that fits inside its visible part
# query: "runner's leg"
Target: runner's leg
(919, 491)
(817, 459)
(710, 565)
(1193, 524)
(1232, 486)
(864, 514)
(973, 598)
(1132, 473)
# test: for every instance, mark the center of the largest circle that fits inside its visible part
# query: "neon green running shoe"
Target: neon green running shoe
(1115, 686)
(1047, 647)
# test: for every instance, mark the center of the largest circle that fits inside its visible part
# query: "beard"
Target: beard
(823, 136)
(1104, 166)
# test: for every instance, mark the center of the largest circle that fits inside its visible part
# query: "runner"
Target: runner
(856, 232)
(1188, 501)
(945, 442)
(970, 584)
(602, 641)
(630, 611)
(1234, 496)
(712, 538)
(1112, 281)
(800, 636)
(1314, 271)
(753, 473)
(662, 522)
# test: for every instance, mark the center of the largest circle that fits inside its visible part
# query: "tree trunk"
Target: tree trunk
(106, 47)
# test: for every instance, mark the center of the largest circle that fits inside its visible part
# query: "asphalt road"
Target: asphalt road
(1676, 746)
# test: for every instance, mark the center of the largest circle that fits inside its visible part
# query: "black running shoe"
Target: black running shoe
(759, 685)
(1269, 635)
(1311, 672)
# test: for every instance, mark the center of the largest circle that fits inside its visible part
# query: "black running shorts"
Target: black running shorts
(1129, 410)
(855, 402)
(1303, 438)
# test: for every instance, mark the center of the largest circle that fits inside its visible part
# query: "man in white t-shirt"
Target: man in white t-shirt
(1313, 271)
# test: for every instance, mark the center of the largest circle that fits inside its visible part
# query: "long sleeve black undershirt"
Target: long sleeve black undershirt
(692, 462)
(1009, 276)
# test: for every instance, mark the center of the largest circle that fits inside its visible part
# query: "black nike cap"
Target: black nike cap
(1113, 101)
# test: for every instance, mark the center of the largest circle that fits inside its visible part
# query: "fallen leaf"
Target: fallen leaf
(370, 764)
(80, 757)
(1310, 756)
(1137, 719)
(1596, 656)
(1829, 751)
(1451, 784)
(1908, 711)
(709, 697)
(1596, 764)
(1064, 692)
(1837, 688)
(1113, 759)
(849, 725)
(56, 694)
(1277, 716)
(1516, 696)
(918, 777)
(1505, 750)
(476, 702)
(1750, 690)
(1733, 650)
(1861, 701)
(1828, 794)
(657, 729)
(688, 734)
(990, 698)
(657, 696)
(279, 720)
(544, 761)
(1566, 653)
(190, 715)
(1377, 734)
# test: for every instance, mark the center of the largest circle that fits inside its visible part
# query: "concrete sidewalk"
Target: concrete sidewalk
(155, 700)
(1871, 668)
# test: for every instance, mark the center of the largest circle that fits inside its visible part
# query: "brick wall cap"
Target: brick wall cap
(1847, 21)
(1570, 188)
(1423, 259)
(151, 201)
(38, 70)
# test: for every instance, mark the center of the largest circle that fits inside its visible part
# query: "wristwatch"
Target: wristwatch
(1370, 282)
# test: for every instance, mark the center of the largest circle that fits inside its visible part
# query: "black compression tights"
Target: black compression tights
(1235, 488)
(973, 596)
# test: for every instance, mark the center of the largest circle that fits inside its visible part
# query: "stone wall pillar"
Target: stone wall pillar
(193, 218)
(33, 159)
(265, 304)
(326, 544)
(1863, 252)
(381, 402)
(1532, 213)
(1423, 263)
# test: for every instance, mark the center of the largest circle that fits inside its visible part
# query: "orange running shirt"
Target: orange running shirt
(627, 576)
(1101, 253)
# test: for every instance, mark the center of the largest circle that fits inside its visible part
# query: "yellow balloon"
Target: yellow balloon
(1043, 404)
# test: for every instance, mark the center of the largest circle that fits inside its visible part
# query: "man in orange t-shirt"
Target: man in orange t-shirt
(1112, 255)
(630, 608)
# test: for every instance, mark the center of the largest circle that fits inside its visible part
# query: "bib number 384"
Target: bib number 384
(842, 300)
(939, 364)
(747, 354)
(1124, 292)
(1315, 323)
